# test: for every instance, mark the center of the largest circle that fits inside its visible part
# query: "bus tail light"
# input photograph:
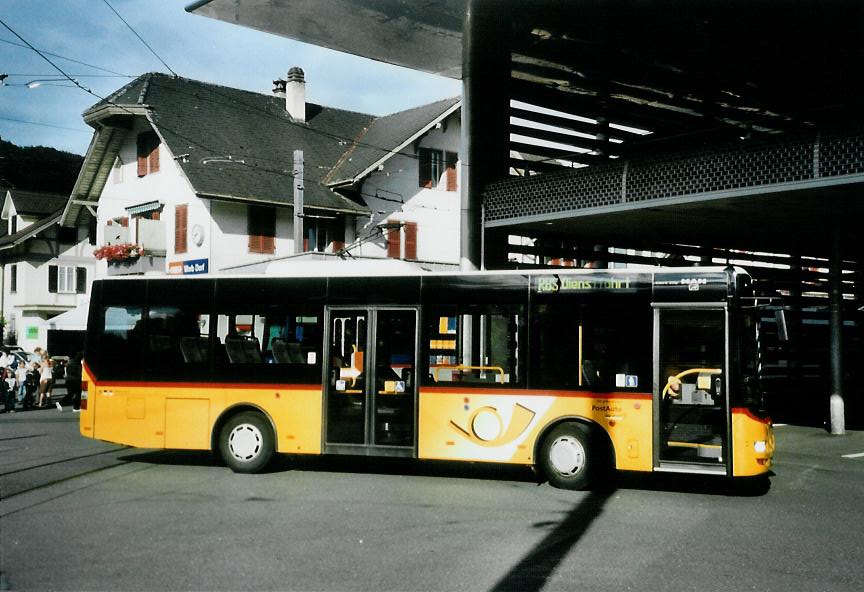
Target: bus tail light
(760, 446)
(84, 385)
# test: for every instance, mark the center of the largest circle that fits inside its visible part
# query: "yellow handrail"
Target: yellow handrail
(686, 373)
(460, 368)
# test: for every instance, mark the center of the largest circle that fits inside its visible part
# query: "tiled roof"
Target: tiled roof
(235, 144)
(36, 203)
(386, 134)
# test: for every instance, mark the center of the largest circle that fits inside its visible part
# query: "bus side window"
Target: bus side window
(120, 342)
(475, 345)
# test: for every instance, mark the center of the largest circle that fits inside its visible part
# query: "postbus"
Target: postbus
(572, 372)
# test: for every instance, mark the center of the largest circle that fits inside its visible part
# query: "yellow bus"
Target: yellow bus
(574, 372)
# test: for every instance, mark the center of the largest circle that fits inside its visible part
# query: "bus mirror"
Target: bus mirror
(782, 331)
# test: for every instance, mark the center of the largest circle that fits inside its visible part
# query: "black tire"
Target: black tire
(246, 442)
(568, 458)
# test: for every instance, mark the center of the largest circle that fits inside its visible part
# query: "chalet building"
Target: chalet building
(188, 177)
(46, 269)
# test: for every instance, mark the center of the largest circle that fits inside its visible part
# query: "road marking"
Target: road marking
(856, 455)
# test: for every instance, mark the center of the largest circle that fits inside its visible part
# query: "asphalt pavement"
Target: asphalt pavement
(77, 514)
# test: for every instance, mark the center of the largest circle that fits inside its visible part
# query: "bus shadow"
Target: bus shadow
(186, 458)
(348, 464)
(697, 484)
(363, 465)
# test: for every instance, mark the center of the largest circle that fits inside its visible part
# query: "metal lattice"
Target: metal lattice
(734, 168)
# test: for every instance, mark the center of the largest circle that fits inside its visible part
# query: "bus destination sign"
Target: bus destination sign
(552, 284)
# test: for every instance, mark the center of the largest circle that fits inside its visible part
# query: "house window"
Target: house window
(67, 279)
(13, 224)
(321, 233)
(437, 169)
(262, 229)
(181, 219)
(13, 279)
(148, 153)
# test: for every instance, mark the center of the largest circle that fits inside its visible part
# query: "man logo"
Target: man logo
(486, 428)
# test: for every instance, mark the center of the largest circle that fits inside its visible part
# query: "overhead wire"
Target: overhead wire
(54, 55)
(71, 129)
(147, 45)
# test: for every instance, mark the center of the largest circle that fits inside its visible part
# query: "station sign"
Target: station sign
(191, 267)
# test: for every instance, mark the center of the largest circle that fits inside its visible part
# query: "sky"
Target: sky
(193, 46)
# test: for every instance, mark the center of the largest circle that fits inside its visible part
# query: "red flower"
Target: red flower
(119, 252)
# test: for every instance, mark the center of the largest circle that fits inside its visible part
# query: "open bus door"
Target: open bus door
(691, 401)
(370, 388)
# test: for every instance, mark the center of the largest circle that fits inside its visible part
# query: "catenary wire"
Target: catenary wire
(147, 45)
(54, 55)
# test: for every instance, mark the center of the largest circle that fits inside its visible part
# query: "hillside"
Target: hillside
(38, 168)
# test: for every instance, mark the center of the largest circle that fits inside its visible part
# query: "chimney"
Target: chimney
(279, 88)
(295, 94)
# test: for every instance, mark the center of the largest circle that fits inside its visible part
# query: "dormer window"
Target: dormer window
(148, 153)
(437, 169)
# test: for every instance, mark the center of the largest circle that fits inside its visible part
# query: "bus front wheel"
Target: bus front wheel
(246, 442)
(566, 458)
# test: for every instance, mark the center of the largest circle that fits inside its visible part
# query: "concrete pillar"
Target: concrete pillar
(485, 104)
(837, 407)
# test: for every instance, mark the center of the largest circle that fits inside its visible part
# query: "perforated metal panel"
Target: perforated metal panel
(736, 168)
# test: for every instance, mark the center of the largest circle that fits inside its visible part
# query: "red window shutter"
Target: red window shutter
(338, 245)
(181, 214)
(394, 243)
(124, 222)
(141, 149)
(451, 160)
(411, 240)
(268, 244)
(261, 226)
(153, 156)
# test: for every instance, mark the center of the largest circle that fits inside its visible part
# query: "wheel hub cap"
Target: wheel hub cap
(567, 455)
(245, 441)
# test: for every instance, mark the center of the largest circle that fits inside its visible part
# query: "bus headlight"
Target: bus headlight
(760, 446)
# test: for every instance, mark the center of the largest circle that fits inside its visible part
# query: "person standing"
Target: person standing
(21, 377)
(73, 381)
(7, 393)
(45, 381)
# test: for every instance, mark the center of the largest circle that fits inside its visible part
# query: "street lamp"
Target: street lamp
(39, 82)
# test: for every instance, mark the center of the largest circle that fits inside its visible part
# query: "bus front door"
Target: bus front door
(370, 392)
(691, 412)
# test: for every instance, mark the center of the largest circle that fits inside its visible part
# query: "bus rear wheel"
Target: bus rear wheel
(246, 442)
(566, 457)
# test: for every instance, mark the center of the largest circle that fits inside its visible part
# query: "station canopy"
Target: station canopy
(594, 81)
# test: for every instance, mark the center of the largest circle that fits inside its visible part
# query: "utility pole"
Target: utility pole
(298, 201)
(837, 407)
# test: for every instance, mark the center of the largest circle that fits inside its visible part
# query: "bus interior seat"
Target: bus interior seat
(163, 346)
(243, 349)
(195, 349)
(287, 352)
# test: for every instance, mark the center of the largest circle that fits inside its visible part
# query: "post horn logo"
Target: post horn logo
(486, 428)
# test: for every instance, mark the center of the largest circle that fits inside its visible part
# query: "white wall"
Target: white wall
(436, 211)
(169, 186)
(231, 235)
(28, 309)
